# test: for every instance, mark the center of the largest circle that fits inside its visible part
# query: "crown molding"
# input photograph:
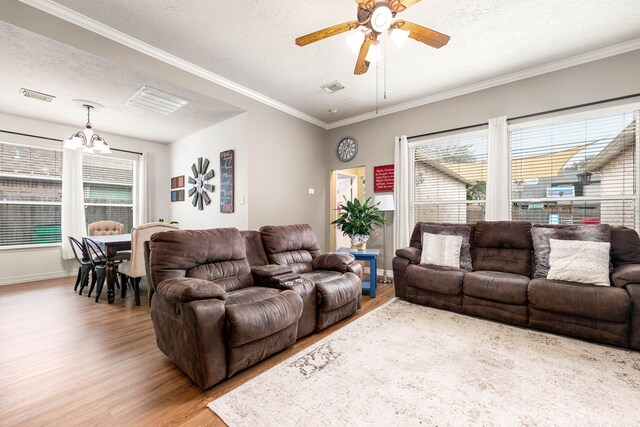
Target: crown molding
(486, 84)
(87, 23)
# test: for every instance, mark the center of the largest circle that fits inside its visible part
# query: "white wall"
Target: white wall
(208, 143)
(22, 265)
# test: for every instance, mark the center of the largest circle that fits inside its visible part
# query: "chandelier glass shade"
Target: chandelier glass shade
(87, 140)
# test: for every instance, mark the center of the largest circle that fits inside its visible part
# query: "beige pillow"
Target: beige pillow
(579, 261)
(439, 249)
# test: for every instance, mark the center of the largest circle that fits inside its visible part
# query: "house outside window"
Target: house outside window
(30, 195)
(449, 178)
(578, 171)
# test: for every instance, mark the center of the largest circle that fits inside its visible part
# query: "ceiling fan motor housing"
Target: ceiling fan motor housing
(366, 13)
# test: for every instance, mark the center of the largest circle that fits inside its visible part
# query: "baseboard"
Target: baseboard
(36, 277)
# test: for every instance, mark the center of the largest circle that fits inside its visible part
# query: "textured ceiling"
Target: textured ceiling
(252, 43)
(38, 63)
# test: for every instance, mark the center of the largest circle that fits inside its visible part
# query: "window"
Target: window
(576, 171)
(31, 193)
(449, 179)
(108, 189)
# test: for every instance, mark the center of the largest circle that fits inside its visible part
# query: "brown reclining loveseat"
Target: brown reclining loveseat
(502, 285)
(213, 316)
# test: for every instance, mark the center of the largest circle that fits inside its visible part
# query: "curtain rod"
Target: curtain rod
(527, 116)
(59, 140)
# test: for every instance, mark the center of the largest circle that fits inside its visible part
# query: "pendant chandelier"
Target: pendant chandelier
(87, 140)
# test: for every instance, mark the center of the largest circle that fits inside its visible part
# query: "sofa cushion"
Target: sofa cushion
(295, 245)
(338, 292)
(625, 246)
(464, 231)
(515, 261)
(443, 280)
(217, 255)
(255, 251)
(441, 250)
(251, 322)
(579, 261)
(503, 235)
(542, 233)
(579, 299)
(496, 286)
(626, 274)
(250, 295)
(321, 276)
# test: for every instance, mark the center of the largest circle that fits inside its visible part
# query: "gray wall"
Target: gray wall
(607, 78)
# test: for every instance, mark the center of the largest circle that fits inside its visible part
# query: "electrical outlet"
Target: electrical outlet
(312, 191)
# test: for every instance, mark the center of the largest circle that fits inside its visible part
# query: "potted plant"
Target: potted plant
(357, 220)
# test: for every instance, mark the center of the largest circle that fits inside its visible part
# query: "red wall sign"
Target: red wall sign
(383, 178)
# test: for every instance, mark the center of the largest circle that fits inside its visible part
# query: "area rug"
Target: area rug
(405, 364)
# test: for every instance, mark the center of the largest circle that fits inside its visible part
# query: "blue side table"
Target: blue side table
(370, 256)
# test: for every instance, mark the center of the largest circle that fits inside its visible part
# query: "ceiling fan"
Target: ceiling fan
(374, 18)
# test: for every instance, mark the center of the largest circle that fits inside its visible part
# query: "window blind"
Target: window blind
(449, 179)
(576, 171)
(30, 195)
(108, 189)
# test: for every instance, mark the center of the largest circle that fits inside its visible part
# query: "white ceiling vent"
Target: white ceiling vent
(36, 95)
(332, 87)
(156, 100)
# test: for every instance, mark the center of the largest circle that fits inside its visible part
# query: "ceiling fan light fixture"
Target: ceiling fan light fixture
(381, 19)
(374, 54)
(354, 40)
(399, 37)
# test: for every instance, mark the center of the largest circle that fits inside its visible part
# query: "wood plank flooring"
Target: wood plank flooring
(66, 360)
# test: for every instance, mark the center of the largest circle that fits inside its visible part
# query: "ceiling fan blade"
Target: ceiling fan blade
(192, 181)
(205, 165)
(210, 187)
(200, 204)
(194, 170)
(209, 175)
(206, 197)
(399, 6)
(423, 34)
(362, 65)
(200, 165)
(367, 4)
(193, 190)
(327, 32)
(196, 196)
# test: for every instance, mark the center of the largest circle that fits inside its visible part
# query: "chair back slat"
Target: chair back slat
(96, 254)
(79, 251)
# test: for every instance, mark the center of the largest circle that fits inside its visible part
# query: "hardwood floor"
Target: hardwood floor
(66, 360)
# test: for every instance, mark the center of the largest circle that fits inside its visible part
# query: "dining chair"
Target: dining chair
(134, 269)
(99, 263)
(82, 256)
(104, 228)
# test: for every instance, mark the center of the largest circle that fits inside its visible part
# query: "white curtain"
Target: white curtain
(498, 172)
(73, 218)
(401, 226)
(142, 190)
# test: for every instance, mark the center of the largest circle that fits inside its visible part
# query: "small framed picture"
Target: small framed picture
(177, 182)
(177, 196)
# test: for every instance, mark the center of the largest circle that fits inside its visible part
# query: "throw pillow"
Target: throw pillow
(463, 231)
(541, 235)
(439, 249)
(579, 261)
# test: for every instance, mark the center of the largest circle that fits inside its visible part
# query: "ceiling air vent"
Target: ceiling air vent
(36, 95)
(156, 100)
(332, 87)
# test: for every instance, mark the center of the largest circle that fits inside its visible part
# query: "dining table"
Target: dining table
(111, 245)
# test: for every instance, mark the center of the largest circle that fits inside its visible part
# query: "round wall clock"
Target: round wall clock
(347, 149)
(199, 180)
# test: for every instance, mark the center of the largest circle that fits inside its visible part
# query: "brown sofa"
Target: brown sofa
(219, 307)
(502, 286)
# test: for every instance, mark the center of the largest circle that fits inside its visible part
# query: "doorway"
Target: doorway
(349, 184)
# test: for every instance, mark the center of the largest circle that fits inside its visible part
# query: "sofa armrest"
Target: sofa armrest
(625, 274)
(634, 293)
(410, 253)
(334, 261)
(184, 289)
(272, 275)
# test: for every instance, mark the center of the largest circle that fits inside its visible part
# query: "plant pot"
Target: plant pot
(359, 241)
